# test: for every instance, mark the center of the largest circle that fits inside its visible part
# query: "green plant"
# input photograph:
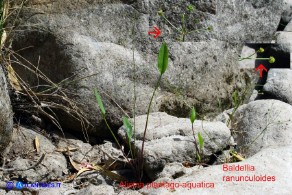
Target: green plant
(272, 120)
(126, 123)
(200, 138)
(129, 132)
(236, 102)
(271, 59)
(183, 29)
(103, 114)
(3, 13)
(162, 66)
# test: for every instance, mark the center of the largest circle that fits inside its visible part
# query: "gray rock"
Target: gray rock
(288, 28)
(250, 63)
(191, 66)
(279, 84)
(287, 14)
(224, 116)
(6, 122)
(97, 190)
(234, 21)
(253, 96)
(247, 21)
(53, 166)
(91, 178)
(175, 170)
(25, 138)
(11, 192)
(267, 162)
(65, 189)
(129, 192)
(111, 21)
(284, 40)
(82, 152)
(261, 124)
(97, 38)
(170, 139)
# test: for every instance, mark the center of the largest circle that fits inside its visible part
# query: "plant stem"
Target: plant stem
(134, 78)
(249, 57)
(130, 147)
(262, 58)
(184, 33)
(197, 30)
(170, 23)
(196, 145)
(183, 29)
(146, 125)
(116, 140)
(135, 99)
(107, 125)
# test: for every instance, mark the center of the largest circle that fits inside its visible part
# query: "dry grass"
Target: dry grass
(43, 103)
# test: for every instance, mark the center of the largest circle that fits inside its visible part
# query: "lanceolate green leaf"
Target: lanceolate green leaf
(163, 58)
(201, 141)
(235, 97)
(129, 129)
(98, 99)
(193, 115)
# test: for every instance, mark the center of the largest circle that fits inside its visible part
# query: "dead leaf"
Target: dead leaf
(237, 156)
(82, 170)
(3, 38)
(13, 79)
(69, 178)
(188, 164)
(37, 144)
(66, 149)
(110, 174)
(74, 164)
(85, 166)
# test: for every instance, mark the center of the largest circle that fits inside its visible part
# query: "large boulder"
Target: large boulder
(170, 139)
(288, 28)
(261, 124)
(278, 85)
(201, 72)
(283, 38)
(287, 14)
(24, 153)
(248, 21)
(267, 172)
(6, 120)
(96, 42)
(232, 21)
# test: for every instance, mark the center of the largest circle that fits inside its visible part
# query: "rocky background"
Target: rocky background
(62, 50)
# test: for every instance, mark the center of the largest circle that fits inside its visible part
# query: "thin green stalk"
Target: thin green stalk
(135, 100)
(146, 125)
(130, 147)
(197, 30)
(63, 82)
(170, 23)
(262, 58)
(248, 57)
(107, 125)
(120, 147)
(183, 29)
(196, 145)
